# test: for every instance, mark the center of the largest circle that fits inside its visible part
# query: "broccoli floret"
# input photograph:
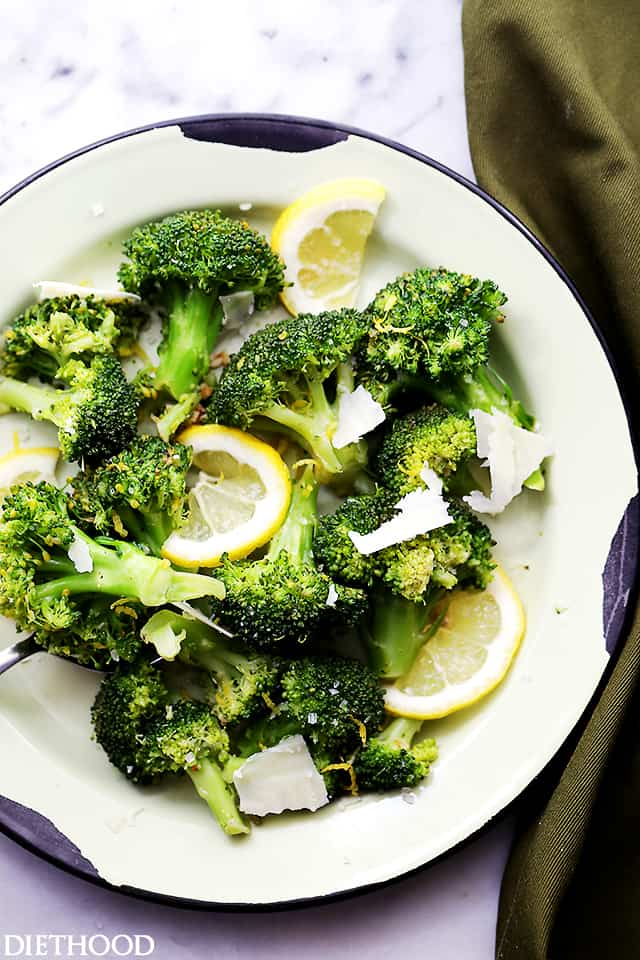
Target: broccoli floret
(53, 331)
(433, 435)
(333, 702)
(290, 376)
(458, 553)
(184, 263)
(127, 701)
(430, 332)
(390, 760)
(338, 702)
(50, 568)
(145, 736)
(139, 493)
(283, 598)
(96, 416)
(431, 322)
(242, 683)
(99, 637)
(190, 739)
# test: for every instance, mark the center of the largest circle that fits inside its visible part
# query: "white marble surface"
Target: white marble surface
(72, 73)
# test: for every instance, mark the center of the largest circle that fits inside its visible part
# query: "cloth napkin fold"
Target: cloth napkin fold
(553, 104)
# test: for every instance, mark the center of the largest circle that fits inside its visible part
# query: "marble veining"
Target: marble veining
(72, 73)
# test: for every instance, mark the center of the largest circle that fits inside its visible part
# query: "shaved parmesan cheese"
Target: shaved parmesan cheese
(332, 596)
(56, 288)
(358, 414)
(418, 512)
(79, 555)
(280, 778)
(511, 454)
(237, 308)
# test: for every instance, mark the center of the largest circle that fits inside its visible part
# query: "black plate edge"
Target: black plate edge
(188, 125)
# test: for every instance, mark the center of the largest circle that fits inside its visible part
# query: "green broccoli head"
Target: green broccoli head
(99, 636)
(273, 603)
(290, 375)
(141, 492)
(334, 550)
(457, 554)
(204, 249)
(184, 263)
(430, 322)
(389, 761)
(128, 700)
(96, 416)
(184, 736)
(337, 702)
(53, 331)
(190, 739)
(432, 436)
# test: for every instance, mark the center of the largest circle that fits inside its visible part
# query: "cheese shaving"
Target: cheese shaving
(418, 512)
(358, 414)
(511, 454)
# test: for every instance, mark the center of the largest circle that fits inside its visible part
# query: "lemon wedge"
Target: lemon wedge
(467, 657)
(322, 238)
(27, 463)
(239, 501)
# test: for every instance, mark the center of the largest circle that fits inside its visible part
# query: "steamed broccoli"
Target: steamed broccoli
(139, 493)
(335, 703)
(48, 565)
(431, 322)
(458, 553)
(242, 683)
(434, 436)
(390, 760)
(101, 635)
(53, 331)
(430, 331)
(184, 263)
(290, 376)
(190, 739)
(146, 735)
(96, 415)
(283, 598)
(127, 701)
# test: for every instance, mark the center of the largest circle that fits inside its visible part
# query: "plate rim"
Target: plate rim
(62, 853)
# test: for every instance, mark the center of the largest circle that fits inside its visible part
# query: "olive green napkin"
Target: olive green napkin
(553, 103)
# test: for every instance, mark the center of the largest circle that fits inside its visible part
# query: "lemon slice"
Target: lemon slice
(468, 655)
(27, 463)
(238, 502)
(322, 237)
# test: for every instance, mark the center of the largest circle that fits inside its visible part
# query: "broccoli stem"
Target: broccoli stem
(150, 528)
(398, 629)
(39, 402)
(175, 414)
(192, 327)
(311, 432)
(295, 536)
(218, 795)
(400, 732)
(124, 571)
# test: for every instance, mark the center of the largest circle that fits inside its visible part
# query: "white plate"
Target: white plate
(67, 223)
